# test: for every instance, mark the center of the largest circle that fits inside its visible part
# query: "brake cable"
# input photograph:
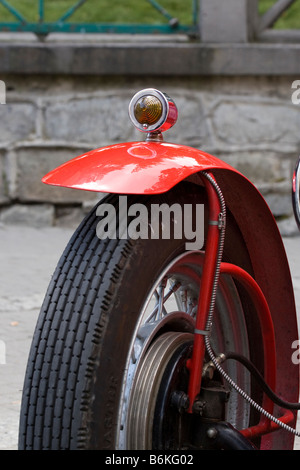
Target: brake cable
(260, 379)
(211, 312)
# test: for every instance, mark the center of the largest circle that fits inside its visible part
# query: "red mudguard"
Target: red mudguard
(132, 168)
(153, 168)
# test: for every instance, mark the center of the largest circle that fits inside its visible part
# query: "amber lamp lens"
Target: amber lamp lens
(148, 110)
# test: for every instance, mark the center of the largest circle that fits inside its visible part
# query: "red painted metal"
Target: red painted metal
(268, 335)
(270, 269)
(195, 364)
(153, 168)
(265, 426)
(133, 168)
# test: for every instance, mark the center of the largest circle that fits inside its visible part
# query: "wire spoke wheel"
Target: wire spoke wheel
(165, 330)
(107, 366)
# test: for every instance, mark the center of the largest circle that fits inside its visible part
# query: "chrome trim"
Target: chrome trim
(155, 136)
(162, 124)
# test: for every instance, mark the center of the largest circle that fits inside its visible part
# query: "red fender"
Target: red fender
(132, 168)
(155, 167)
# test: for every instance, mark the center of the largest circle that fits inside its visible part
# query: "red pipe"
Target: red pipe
(195, 364)
(266, 324)
(266, 426)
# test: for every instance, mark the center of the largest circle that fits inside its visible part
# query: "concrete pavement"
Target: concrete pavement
(27, 259)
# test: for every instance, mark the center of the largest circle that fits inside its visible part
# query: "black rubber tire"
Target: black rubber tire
(75, 369)
(85, 315)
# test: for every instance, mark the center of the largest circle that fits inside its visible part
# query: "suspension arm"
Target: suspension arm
(195, 364)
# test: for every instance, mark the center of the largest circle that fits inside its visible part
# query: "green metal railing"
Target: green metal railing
(275, 11)
(169, 25)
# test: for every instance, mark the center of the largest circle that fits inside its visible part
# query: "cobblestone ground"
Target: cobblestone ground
(27, 259)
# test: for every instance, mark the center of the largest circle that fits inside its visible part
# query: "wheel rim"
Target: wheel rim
(147, 385)
(177, 286)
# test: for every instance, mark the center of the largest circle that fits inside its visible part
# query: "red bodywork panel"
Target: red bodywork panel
(132, 168)
(153, 168)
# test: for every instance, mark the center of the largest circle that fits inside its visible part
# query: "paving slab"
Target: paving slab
(28, 257)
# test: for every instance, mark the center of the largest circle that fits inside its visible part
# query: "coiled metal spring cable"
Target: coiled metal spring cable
(211, 312)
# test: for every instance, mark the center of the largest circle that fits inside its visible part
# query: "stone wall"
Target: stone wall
(248, 121)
